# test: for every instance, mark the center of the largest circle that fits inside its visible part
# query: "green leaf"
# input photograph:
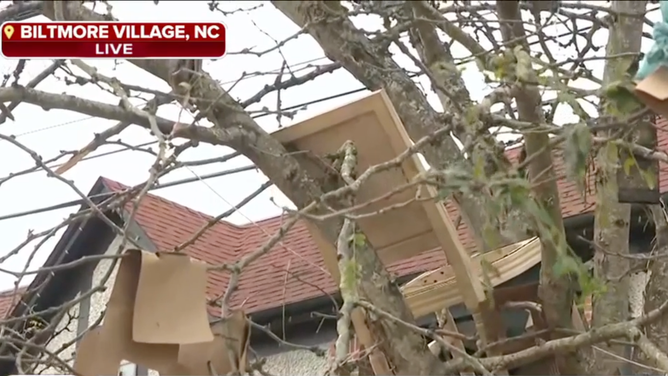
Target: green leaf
(501, 66)
(628, 164)
(490, 235)
(359, 240)
(576, 153)
(566, 265)
(619, 98)
(541, 215)
(519, 194)
(573, 103)
(649, 178)
(443, 194)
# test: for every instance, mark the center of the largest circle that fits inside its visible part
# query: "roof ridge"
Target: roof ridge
(173, 204)
(261, 221)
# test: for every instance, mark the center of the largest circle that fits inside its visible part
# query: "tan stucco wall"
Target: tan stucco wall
(67, 329)
(297, 362)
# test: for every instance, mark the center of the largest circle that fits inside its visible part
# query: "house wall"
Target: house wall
(296, 362)
(66, 333)
(638, 281)
(283, 360)
(93, 306)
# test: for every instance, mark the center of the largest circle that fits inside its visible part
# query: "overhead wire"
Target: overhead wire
(103, 196)
(39, 130)
(244, 78)
(149, 143)
(238, 210)
(176, 182)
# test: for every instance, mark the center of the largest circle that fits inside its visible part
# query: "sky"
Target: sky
(49, 132)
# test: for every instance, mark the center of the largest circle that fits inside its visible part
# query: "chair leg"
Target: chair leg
(446, 321)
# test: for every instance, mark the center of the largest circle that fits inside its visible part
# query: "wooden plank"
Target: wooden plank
(448, 323)
(432, 291)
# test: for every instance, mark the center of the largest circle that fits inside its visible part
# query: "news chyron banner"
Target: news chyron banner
(113, 40)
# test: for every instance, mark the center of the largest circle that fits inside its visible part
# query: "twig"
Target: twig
(649, 349)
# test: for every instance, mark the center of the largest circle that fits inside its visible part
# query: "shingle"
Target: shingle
(8, 300)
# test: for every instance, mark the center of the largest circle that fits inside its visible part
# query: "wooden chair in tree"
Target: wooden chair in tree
(447, 322)
(372, 124)
(436, 291)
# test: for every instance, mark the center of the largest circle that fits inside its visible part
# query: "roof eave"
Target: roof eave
(73, 230)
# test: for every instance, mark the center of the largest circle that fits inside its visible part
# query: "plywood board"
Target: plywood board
(156, 317)
(365, 123)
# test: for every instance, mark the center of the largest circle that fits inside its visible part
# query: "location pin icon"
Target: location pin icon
(9, 31)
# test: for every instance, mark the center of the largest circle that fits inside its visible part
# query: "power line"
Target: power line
(111, 152)
(176, 182)
(315, 101)
(277, 70)
(38, 130)
(105, 196)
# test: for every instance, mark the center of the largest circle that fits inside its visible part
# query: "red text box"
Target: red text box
(113, 40)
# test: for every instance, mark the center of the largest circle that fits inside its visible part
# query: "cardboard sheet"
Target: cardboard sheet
(227, 353)
(653, 91)
(156, 317)
(171, 288)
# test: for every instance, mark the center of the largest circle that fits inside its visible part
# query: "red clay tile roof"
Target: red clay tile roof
(8, 300)
(294, 270)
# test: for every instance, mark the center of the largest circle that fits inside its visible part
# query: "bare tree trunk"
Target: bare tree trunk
(656, 292)
(611, 228)
(555, 291)
(449, 86)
